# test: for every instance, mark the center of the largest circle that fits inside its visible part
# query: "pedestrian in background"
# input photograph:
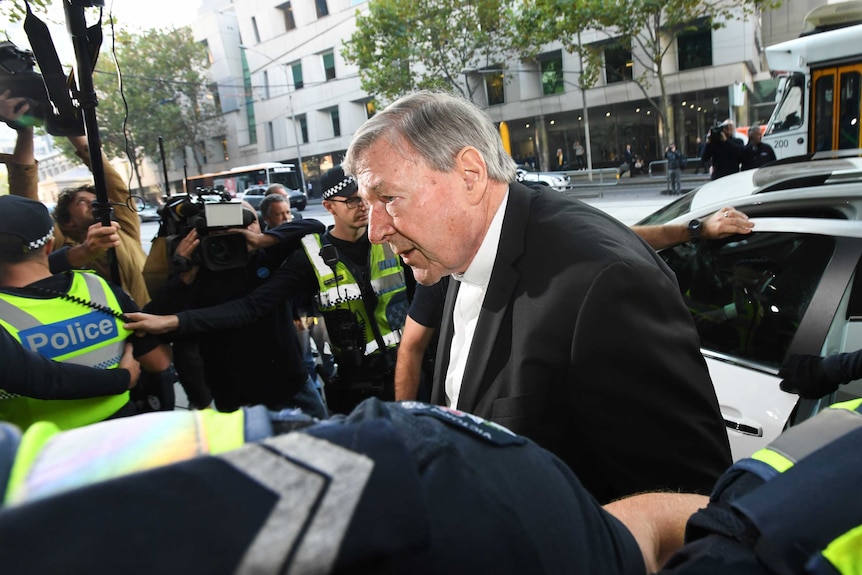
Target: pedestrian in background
(675, 164)
(757, 152)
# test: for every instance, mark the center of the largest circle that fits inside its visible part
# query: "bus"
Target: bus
(238, 180)
(819, 83)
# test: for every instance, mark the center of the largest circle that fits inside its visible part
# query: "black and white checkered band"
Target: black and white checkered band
(35, 245)
(347, 181)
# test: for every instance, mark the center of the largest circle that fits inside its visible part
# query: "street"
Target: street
(627, 201)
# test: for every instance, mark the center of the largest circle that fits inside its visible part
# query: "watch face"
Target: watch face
(694, 228)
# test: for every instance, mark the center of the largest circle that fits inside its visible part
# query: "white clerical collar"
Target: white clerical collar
(479, 271)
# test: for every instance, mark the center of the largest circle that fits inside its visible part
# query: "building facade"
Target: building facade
(287, 95)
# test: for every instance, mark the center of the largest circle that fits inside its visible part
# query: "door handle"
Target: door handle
(742, 428)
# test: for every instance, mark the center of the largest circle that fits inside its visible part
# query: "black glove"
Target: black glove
(804, 375)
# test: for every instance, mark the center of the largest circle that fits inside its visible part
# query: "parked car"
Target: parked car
(791, 286)
(557, 181)
(149, 213)
(255, 194)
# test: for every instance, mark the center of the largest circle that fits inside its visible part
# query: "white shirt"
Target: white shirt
(468, 304)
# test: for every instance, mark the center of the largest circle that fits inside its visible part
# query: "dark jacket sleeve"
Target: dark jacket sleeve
(294, 231)
(294, 277)
(29, 374)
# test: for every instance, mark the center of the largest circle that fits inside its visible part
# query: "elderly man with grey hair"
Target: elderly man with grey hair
(562, 324)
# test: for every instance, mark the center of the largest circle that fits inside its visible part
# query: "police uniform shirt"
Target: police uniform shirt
(61, 283)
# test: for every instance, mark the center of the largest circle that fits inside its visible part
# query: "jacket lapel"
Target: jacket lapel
(438, 389)
(504, 278)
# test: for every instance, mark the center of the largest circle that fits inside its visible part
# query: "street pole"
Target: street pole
(295, 132)
(586, 111)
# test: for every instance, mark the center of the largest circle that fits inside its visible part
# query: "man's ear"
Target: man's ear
(470, 165)
(49, 246)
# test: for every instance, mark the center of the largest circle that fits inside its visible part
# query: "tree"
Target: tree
(646, 28)
(405, 45)
(542, 22)
(652, 27)
(163, 93)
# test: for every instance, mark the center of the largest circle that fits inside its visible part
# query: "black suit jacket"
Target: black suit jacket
(584, 345)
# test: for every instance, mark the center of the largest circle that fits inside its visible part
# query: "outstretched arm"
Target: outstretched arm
(657, 522)
(26, 373)
(721, 224)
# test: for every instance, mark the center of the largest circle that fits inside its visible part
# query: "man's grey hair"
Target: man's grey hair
(276, 189)
(438, 126)
(267, 202)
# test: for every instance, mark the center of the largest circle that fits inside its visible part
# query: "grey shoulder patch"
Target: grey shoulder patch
(319, 485)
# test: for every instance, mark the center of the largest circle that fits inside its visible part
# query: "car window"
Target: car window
(748, 294)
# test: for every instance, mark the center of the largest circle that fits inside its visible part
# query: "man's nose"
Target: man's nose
(379, 223)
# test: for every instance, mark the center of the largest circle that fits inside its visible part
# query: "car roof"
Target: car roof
(806, 179)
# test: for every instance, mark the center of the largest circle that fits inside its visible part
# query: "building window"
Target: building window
(289, 22)
(552, 72)
(370, 109)
(618, 63)
(336, 122)
(202, 152)
(270, 137)
(212, 90)
(266, 95)
(210, 56)
(296, 70)
(224, 150)
(255, 30)
(494, 88)
(329, 65)
(303, 128)
(695, 47)
(322, 9)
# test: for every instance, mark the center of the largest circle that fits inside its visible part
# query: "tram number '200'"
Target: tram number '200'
(781, 144)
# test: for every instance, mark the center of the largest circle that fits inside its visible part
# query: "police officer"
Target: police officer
(74, 317)
(406, 488)
(363, 293)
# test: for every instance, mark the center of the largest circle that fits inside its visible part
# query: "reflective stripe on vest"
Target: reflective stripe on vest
(336, 291)
(808, 512)
(64, 330)
(319, 485)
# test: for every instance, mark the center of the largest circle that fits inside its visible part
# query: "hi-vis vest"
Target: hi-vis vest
(66, 330)
(808, 513)
(337, 293)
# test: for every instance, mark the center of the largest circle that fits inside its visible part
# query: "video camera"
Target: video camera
(210, 213)
(18, 75)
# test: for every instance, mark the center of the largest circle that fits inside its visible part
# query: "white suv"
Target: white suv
(791, 286)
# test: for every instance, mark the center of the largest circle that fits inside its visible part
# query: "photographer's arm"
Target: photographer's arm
(293, 277)
(21, 163)
(118, 191)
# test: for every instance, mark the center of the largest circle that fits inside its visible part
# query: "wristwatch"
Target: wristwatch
(695, 227)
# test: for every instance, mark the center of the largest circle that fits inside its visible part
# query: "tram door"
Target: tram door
(837, 104)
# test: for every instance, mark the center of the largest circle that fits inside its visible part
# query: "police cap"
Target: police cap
(336, 183)
(25, 225)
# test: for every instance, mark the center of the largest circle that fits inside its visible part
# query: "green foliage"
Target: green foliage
(14, 11)
(406, 45)
(163, 94)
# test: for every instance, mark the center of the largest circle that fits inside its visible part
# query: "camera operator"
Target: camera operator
(363, 289)
(723, 149)
(258, 362)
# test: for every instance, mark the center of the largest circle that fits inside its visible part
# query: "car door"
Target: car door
(755, 299)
